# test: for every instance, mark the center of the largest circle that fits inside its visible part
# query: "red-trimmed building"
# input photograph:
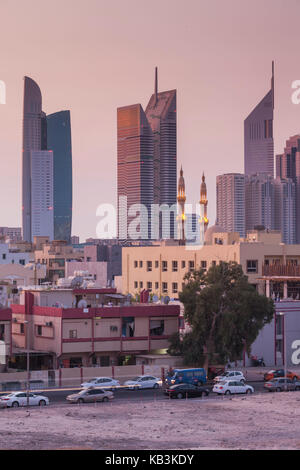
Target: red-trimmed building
(108, 335)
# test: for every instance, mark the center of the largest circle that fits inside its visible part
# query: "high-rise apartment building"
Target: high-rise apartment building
(59, 141)
(259, 201)
(258, 136)
(42, 220)
(285, 209)
(135, 172)
(288, 167)
(231, 202)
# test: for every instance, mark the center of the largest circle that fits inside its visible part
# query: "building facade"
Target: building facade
(231, 202)
(258, 136)
(60, 143)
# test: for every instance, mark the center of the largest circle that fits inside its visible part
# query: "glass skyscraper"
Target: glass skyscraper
(59, 141)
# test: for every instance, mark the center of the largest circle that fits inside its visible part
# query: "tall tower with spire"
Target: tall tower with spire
(181, 210)
(203, 203)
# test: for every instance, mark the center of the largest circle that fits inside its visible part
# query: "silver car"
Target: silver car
(90, 395)
(280, 384)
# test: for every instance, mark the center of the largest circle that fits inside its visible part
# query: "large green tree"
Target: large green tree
(225, 313)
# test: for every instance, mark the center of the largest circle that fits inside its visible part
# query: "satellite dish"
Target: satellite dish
(82, 304)
(166, 300)
(76, 282)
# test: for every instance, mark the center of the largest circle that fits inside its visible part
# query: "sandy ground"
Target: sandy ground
(268, 421)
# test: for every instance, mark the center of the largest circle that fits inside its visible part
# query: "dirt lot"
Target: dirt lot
(269, 421)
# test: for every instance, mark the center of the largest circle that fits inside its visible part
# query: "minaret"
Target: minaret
(203, 203)
(181, 212)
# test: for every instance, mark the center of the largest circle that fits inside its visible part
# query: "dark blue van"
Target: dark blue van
(187, 376)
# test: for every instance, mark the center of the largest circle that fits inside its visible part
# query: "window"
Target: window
(128, 327)
(72, 334)
(165, 287)
(4, 256)
(214, 263)
(156, 285)
(203, 264)
(182, 264)
(141, 284)
(165, 266)
(22, 262)
(135, 284)
(22, 328)
(135, 264)
(149, 266)
(156, 264)
(252, 266)
(157, 327)
(174, 266)
(2, 331)
(141, 264)
(39, 330)
(174, 287)
(149, 286)
(191, 265)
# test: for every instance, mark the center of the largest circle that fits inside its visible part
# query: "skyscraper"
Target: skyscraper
(32, 140)
(41, 133)
(42, 221)
(258, 136)
(135, 172)
(285, 209)
(161, 115)
(58, 133)
(231, 202)
(259, 201)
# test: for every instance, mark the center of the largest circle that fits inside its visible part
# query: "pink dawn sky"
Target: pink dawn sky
(93, 56)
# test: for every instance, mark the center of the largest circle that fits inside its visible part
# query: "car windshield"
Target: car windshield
(136, 378)
(92, 380)
(223, 383)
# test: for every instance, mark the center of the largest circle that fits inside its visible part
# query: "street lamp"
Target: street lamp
(28, 363)
(281, 314)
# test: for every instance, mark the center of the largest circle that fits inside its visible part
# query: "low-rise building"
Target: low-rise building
(5, 337)
(109, 335)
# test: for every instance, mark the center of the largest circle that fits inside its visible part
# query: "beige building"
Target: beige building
(18, 275)
(161, 269)
(55, 255)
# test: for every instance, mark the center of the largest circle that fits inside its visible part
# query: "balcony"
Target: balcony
(281, 270)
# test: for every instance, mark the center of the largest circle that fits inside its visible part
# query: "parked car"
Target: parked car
(192, 376)
(228, 387)
(102, 382)
(143, 381)
(17, 399)
(230, 375)
(281, 383)
(273, 374)
(90, 395)
(186, 391)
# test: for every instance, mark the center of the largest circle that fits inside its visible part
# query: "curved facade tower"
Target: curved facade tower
(58, 131)
(32, 140)
(161, 115)
(258, 136)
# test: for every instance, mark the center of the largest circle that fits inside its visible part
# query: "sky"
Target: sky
(93, 56)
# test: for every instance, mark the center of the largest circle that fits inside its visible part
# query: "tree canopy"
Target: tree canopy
(225, 314)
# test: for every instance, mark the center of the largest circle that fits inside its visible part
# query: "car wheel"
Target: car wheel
(42, 403)
(105, 399)
(228, 392)
(155, 386)
(15, 404)
(180, 395)
(248, 391)
(80, 400)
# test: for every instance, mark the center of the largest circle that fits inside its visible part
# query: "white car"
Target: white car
(228, 387)
(17, 399)
(102, 382)
(230, 375)
(143, 381)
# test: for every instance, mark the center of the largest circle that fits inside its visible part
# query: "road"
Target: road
(58, 396)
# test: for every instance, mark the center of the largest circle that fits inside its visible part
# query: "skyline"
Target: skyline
(213, 100)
